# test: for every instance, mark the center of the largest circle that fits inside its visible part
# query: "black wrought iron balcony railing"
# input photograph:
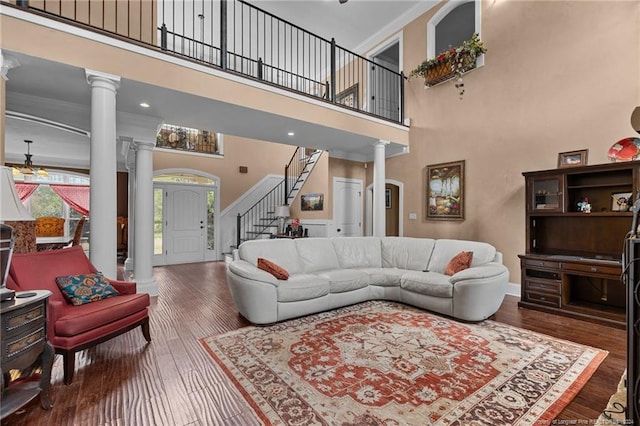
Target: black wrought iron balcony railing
(238, 37)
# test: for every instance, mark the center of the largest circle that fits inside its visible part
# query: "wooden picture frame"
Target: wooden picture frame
(573, 158)
(621, 201)
(444, 191)
(349, 97)
(311, 202)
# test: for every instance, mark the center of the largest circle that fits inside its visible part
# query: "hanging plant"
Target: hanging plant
(451, 63)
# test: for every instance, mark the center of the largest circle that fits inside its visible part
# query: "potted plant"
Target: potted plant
(451, 63)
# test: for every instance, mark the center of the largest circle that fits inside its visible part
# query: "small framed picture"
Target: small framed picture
(573, 158)
(387, 198)
(621, 201)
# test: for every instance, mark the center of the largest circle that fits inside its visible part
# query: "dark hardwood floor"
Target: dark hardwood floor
(173, 381)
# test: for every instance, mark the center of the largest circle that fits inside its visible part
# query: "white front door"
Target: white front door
(185, 224)
(347, 207)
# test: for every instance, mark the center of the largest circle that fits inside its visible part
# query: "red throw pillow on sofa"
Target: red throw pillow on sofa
(277, 271)
(460, 262)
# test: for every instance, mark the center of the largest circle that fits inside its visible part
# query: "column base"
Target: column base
(128, 264)
(147, 286)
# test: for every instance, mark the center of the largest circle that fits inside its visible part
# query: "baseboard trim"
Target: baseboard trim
(513, 289)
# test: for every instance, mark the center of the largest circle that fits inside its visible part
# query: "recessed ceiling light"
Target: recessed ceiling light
(290, 134)
(144, 105)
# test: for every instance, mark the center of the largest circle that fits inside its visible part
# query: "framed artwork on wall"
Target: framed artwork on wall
(444, 191)
(311, 202)
(387, 198)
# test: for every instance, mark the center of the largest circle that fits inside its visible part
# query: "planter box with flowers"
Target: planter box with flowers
(451, 63)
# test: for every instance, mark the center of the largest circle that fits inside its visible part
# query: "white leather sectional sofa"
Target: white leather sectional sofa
(326, 273)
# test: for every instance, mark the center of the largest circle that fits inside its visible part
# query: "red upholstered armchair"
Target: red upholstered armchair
(72, 328)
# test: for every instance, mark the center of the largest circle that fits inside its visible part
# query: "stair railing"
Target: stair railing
(260, 218)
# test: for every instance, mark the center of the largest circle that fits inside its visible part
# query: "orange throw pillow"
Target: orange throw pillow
(460, 262)
(277, 271)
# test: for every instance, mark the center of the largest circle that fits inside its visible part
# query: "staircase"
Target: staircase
(260, 221)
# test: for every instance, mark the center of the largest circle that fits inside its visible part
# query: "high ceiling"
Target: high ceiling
(36, 79)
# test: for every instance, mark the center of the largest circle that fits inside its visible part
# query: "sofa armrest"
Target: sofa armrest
(488, 270)
(254, 292)
(246, 270)
(124, 287)
(55, 309)
(478, 292)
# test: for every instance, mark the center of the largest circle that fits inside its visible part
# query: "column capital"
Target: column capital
(382, 142)
(107, 81)
(142, 145)
(6, 63)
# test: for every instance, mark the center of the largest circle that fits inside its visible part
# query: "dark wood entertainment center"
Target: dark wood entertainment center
(573, 260)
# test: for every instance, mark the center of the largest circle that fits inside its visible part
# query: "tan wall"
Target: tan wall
(261, 159)
(559, 76)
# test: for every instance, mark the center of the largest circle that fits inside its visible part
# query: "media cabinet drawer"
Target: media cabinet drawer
(542, 263)
(543, 286)
(543, 299)
(594, 269)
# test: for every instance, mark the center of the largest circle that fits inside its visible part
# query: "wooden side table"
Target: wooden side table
(25, 347)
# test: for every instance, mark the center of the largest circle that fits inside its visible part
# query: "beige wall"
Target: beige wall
(558, 76)
(261, 159)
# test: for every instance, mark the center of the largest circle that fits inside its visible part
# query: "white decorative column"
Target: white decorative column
(379, 210)
(103, 209)
(130, 161)
(6, 63)
(143, 211)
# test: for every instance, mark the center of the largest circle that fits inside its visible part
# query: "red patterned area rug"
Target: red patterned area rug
(382, 363)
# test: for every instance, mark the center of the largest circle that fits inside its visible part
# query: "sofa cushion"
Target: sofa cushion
(280, 251)
(445, 250)
(384, 277)
(460, 262)
(302, 287)
(316, 254)
(406, 253)
(428, 283)
(277, 271)
(85, 288)
(342, 280)
(358, 252)
(79, 319)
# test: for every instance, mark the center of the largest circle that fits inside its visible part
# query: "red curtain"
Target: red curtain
(25, 190)
(74, 195)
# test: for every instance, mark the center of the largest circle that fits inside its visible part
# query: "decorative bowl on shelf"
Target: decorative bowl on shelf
(627, 149)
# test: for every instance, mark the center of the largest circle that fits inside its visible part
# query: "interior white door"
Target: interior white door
(347, 207)
(185, 224)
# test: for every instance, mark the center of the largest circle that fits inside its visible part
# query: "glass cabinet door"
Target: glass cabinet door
(546, 194)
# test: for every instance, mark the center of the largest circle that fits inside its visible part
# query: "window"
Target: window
(158, 205)
(454, 23)
(44, 201)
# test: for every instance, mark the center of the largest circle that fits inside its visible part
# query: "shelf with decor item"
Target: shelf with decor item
(451, 64)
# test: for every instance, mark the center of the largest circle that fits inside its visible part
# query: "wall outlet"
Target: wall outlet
(413, 216)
